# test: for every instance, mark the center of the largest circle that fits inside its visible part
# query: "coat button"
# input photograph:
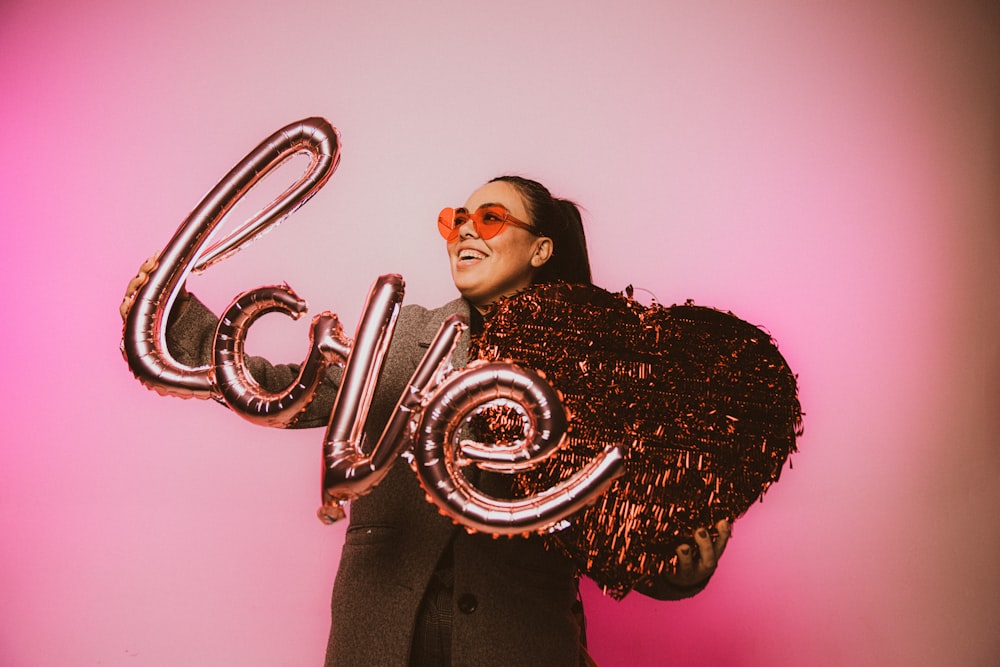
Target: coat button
(467, 603)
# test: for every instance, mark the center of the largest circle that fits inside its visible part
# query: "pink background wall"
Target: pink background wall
(828, 169)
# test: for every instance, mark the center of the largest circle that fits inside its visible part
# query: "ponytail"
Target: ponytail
(560, 220)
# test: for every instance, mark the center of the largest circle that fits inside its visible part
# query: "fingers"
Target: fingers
(725, 530)
(133, 285)
(331, 512)
(695, 565)
(704, 557)
(710, 550)
(706, 548)
(685, 561)
(150, 263)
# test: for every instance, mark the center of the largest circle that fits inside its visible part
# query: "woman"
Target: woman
(413, 588)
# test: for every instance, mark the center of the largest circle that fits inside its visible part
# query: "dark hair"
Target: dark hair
(558, 219)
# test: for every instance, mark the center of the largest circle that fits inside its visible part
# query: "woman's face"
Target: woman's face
(484, 271)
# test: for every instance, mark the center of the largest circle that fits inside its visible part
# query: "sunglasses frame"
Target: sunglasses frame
(449, 227)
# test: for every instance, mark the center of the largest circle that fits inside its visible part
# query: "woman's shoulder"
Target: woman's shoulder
(416, 329)
(414, 314)
(419, 325)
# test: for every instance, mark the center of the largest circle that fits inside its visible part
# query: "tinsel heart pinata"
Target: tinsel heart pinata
(703, 403)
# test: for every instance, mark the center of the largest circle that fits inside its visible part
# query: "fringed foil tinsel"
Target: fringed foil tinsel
(703, 403)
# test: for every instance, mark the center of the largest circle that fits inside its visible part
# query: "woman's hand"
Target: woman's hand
(694, 568)
(140, 279)
(332, 510)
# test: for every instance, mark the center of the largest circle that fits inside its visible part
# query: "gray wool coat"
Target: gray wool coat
(515, 602)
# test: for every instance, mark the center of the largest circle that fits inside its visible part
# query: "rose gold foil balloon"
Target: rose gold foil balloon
(437, 396)
(144, 335)
(348, 471)
(239, 390)
(439, 456)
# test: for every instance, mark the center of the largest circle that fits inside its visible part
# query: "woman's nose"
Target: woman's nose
(468, 230)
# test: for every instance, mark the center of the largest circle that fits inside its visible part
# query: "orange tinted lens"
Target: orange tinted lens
(446, 224)
(490, 220)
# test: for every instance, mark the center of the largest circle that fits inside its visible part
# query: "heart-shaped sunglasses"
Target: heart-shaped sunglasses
(488, 220)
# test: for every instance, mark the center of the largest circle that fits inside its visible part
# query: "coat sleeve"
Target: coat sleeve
(190, 339)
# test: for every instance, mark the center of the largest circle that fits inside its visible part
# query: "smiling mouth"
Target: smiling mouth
(469, 255)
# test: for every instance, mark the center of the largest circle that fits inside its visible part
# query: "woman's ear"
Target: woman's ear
(543, 251)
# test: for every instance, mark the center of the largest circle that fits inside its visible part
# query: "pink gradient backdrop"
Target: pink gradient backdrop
(827, 169)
